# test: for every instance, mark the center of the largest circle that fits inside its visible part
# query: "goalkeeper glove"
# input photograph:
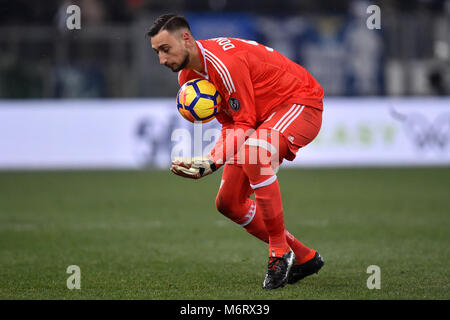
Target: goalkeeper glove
(194, 168)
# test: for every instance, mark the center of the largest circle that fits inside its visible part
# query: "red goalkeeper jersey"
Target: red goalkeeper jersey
(253, 80)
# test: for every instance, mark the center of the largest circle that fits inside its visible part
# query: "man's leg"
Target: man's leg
(257, 155)
(297, 126)
(233, 202)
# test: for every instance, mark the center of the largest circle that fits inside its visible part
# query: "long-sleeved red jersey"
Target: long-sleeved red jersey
(253, 80)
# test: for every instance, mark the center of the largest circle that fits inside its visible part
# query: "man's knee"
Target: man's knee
(260, 169)
(222, 205)
(231, 207)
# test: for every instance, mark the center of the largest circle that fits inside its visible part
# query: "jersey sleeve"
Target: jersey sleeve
(228, 144)
(234, 79)
(233, 75)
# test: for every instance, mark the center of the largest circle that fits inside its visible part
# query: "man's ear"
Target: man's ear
(186, 37)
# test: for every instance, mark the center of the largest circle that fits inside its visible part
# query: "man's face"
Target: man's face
(171, 49)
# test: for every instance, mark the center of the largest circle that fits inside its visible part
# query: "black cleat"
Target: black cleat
(278, 270)
(298, 272)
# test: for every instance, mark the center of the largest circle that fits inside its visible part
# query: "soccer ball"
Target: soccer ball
(198, 100)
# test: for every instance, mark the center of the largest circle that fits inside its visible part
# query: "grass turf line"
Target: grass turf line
(153, 235)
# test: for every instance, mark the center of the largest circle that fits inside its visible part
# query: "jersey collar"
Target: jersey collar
(201, 52)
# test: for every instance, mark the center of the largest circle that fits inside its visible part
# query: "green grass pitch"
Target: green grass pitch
(153, 235)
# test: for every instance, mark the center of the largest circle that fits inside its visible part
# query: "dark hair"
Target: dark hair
(169, 22)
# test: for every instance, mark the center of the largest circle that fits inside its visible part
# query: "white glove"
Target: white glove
(194, 168)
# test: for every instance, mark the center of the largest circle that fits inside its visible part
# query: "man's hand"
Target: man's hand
(193, 168)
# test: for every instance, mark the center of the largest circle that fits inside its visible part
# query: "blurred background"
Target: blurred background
(49, 71)
(109, 56)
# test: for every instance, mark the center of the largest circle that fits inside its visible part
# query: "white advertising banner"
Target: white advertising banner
(141, 133)
(381, 132)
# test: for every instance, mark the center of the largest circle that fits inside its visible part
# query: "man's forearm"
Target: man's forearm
(230, 141)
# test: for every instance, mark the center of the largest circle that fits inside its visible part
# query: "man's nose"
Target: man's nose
(162, 60)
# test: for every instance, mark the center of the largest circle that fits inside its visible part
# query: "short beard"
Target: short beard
(183, 64)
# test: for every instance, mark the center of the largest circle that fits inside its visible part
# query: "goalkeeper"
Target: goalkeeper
(270, 108)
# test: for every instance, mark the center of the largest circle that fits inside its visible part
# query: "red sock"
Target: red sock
(258, 229)
(268, 201)
(302, 252)
(256, 226)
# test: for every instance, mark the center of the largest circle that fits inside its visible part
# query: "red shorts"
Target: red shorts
(284, 132)
(297, 123)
